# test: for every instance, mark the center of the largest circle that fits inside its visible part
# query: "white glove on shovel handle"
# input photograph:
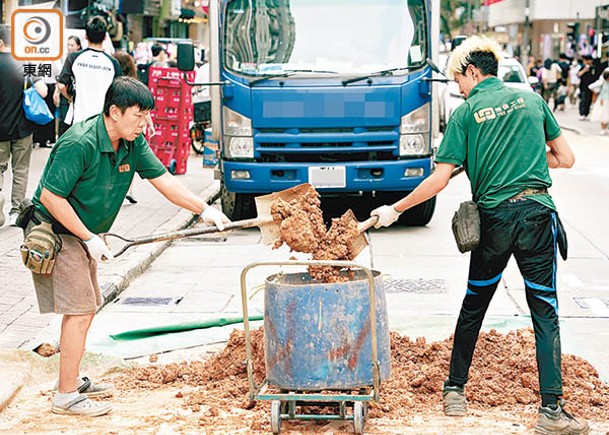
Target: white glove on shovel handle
(387, 215)
(98, 249)
(213, 216)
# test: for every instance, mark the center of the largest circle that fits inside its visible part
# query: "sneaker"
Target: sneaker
(91, 389)
(12, 219)
(582, 118)
(553, 419)
(455, 403)
(82, 405)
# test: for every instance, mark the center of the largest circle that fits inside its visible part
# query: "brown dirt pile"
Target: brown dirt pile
(302, 228)
(503, 374)
(46, 350)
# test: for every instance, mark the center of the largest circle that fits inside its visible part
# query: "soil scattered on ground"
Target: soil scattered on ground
(46, 350)
(503, 374)
(302, 228)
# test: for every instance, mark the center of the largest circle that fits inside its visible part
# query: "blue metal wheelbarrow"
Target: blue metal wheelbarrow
(326, 344)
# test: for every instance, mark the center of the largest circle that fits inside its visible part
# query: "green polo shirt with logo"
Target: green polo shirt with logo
(499, 135)
(84, 168)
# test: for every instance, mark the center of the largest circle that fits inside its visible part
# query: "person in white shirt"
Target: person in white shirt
(87, 74)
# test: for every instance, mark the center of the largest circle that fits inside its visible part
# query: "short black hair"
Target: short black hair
(125, 92)
(96, 29)
(5, 34)
(485, 61)
(156, 50)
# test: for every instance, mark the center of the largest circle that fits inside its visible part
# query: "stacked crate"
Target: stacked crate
(172, 115)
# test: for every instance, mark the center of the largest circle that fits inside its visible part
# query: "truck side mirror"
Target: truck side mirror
(186, 56)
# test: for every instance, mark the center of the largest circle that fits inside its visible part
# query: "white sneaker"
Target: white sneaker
(12, 219)
(582, 118)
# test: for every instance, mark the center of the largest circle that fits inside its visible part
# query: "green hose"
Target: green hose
(137, 334)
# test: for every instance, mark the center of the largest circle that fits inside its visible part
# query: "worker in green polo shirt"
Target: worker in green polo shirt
(506, 139)
(81, 191)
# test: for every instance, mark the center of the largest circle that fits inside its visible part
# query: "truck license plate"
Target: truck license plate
(327, 176)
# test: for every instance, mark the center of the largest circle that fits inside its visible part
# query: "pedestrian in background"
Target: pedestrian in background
(550, 79)
(587, 76)
(600, 112)
(573, 91)
(15, 130)
(159, 59)
(46, 135)
(91, 71)
(74, 45)
(80, 193)
(506, 161)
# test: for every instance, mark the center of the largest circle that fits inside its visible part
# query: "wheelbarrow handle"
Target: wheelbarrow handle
(173, 235)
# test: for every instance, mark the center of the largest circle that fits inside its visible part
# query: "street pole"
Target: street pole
(525, 35)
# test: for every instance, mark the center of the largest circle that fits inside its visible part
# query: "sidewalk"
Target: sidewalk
(20, 320)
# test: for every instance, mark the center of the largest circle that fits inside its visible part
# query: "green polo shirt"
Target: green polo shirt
(84, 168)
(499, 135)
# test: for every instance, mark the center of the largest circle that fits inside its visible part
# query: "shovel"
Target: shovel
(268, 227)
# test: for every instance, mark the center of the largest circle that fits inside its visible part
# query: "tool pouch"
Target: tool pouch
(466, 226)
(40, 248)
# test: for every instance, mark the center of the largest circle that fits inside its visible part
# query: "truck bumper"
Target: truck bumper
(359, 176)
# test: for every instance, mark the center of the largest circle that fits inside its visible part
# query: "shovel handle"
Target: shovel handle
(367, 224)
(173, 235)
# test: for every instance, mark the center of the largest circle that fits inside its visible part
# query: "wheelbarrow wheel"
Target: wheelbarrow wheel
(358, 418)
(275, 416)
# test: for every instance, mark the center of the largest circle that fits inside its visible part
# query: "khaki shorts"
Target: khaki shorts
(72, 288)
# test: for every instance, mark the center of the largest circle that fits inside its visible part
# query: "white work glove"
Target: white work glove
(387, 215)
(98, 249)
(213, 216)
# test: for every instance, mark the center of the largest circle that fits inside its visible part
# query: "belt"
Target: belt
(526, 192)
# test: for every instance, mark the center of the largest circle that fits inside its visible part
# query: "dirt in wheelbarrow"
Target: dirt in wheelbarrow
(302, 228)
(211, 396)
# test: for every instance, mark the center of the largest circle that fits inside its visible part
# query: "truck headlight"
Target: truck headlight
(413, 145)
(414, 132)
(239, 147)
(236, 124)
(416, 121)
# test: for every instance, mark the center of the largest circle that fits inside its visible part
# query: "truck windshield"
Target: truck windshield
(268, 37)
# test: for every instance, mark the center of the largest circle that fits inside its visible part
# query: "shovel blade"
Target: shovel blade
(357, 244)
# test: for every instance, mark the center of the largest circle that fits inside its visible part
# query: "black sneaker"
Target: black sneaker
(455, 403)
(554, 420)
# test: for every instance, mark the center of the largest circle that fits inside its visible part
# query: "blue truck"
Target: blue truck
(336, 93)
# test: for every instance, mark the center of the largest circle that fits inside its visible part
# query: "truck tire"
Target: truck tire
(419, 215)
(237, 206)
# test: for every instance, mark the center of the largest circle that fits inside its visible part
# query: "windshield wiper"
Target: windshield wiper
(287, 74)
(385, 72)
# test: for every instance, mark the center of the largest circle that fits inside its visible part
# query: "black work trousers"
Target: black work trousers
(527, 230)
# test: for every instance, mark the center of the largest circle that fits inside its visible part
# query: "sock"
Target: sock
(450, 383)
(549, 400)
(61, 399)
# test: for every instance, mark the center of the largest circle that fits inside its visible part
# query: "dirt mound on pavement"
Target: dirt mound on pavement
(503, 374)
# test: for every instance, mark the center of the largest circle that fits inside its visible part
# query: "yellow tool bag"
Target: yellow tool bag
(40, 249)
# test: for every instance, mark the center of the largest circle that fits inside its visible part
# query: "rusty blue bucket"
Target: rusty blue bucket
(317, 335)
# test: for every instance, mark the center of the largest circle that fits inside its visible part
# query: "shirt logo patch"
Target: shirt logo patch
(124, 168)
(490, 113)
